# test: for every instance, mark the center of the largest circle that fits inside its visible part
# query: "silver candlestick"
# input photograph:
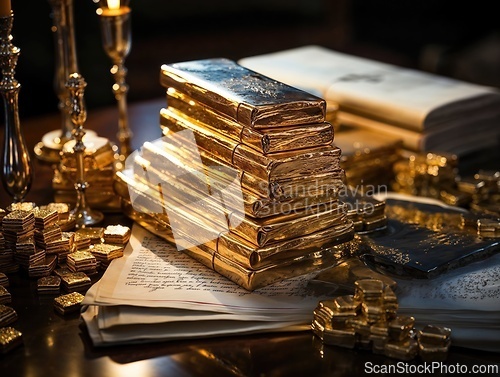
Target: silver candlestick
(17, 170)
(117, 39)
(82, 212)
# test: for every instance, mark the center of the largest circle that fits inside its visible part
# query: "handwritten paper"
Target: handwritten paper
(156, 292)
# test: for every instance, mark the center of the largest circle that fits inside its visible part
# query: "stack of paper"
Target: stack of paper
(246, 178)
(157, 293)
(428, 112)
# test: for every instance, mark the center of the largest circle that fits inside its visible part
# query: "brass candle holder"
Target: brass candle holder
(82, 213)
(117, 39)
(49, 147)
(17, 170)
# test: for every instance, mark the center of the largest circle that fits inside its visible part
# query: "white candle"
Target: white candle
(114, 4)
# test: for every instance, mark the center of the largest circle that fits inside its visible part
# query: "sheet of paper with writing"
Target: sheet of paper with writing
(154, 274)
(155, 293)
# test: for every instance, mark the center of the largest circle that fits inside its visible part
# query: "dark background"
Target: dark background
(437, 36)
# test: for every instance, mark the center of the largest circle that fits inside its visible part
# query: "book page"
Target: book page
(153, 273)
(410, 98)
(147, 333)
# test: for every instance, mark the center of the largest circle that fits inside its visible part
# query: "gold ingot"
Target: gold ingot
(373, 313)
(378, 343)
(400, 327)
(405, 350)
(434, 335)
(432, 352)
(346, 304)
(340, 337)
(360, 325)
(369, 289)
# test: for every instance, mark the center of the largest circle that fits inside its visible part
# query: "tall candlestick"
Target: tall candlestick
(82, 212)
(116, 37)
(17, 171)
(49, 148)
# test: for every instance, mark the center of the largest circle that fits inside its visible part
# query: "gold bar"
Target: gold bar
(189, 161)
(253, 205)
(434, 335)
(400, 327)
(244, 96)
(340, 337)
(10, 338)
(282, 165)
(246, 278)
(230, 245)
(402, 350)
(252, 257)
(265, 141)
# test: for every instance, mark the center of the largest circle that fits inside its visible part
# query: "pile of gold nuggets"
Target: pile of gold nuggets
(369, 320)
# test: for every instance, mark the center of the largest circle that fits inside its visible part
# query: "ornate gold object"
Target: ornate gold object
(17, 170)
(82, 213)
(116, 33)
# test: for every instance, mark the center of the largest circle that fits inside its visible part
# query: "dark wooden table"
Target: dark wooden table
(59, 346)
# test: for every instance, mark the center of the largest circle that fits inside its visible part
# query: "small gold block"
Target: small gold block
(403, 350)
(369, 289)
(346, 304)
(94, 234)
(432, 352)
(9, 339)
(400, 327)
(434, 335)
(68, 303)
(340, 337)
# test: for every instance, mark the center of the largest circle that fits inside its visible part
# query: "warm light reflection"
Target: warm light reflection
(50, 341)
(114, 4)
(143, 368)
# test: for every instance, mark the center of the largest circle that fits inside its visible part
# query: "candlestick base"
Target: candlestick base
(85, 217)
(49, 148)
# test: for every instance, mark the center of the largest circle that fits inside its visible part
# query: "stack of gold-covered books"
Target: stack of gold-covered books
(245, 178)
(99, 172)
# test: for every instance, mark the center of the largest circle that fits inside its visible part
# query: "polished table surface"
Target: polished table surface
(56, 345)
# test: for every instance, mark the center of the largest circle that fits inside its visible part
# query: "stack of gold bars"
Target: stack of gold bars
(435, 175)
(99, 165)
(367, 157)
(245, 178)
(431, 175)
(369, 320)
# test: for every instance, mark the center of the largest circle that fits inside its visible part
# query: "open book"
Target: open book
(390, 98)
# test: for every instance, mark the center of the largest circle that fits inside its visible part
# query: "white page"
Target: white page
(170, 331)
(119, 315)
(153, 273)
(394, 94)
